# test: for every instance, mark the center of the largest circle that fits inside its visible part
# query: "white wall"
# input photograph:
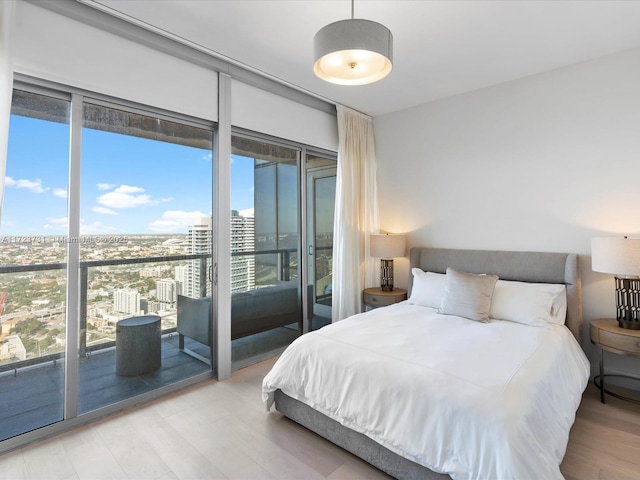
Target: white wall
(543, 163)
(261, 111)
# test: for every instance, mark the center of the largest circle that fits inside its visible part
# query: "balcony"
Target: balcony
(32, 388)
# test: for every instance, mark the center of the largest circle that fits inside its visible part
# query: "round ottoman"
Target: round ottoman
(138, 345)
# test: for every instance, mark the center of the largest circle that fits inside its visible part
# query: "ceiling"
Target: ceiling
(441, 48)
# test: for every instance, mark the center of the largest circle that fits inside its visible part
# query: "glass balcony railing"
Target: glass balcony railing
(147, 283)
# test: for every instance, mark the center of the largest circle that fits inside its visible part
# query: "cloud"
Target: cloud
(59, 223)
(207, 157)
(95, 228)
(129, 189)
(60, 192)
(176, 221)
(34, 186)
(126, 196)
(247, 212)
(105, 186)
(106, 211)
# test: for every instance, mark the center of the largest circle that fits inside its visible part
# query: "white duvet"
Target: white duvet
(474, 400)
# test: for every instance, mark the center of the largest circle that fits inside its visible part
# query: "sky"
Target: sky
(129, 185)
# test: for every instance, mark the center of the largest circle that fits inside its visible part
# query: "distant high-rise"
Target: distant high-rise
(199, 241)
(243, 267)
(181, 275)
(167, 291)
(126, 300)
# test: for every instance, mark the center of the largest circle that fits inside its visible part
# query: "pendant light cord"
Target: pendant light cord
(352, 9)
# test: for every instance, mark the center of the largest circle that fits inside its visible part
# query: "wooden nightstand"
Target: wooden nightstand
(376, 297)
(606, 334)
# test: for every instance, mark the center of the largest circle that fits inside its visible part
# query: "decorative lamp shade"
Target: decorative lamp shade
(353, 52)
(617, 255)
(621, 256)
(388, 245)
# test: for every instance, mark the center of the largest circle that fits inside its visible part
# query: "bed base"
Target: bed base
(354, 442)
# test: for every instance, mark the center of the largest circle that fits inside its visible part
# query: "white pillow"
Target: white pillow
(468, 295)
(535, 304)
(559, 306)
(427, 289)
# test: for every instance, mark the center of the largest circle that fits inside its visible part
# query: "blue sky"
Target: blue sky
(129, 185)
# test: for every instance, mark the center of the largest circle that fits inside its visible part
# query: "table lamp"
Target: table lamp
(621, 256)
(386, 247)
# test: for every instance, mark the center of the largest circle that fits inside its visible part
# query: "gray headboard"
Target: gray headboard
(535, 267)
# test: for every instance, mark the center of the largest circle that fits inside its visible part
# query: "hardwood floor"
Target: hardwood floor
(604, 442)
(219, 430)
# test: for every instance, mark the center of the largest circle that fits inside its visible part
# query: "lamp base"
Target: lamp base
(629, 325)
(628, 302)
(386, 274)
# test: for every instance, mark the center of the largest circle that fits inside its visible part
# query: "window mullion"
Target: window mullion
(73, 261)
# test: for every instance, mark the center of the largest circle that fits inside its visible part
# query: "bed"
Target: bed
(420, 390)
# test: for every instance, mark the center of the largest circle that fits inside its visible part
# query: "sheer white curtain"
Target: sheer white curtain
(7, 9)
(356, 214)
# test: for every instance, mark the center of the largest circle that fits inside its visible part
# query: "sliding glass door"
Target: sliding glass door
(33, 256)
(266, 301)
(106, 242)
(321, 192)
(146, 253)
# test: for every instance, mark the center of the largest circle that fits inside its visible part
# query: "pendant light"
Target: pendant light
(353, 52)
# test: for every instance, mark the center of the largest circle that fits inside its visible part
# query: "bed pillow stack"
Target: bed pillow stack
(481, 297)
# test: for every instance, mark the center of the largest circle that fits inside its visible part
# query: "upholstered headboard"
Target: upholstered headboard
(538, 267)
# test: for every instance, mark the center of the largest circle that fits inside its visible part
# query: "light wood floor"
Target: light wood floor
(220, 430)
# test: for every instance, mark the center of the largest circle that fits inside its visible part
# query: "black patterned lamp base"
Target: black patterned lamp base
(628, 302)
(386, 274)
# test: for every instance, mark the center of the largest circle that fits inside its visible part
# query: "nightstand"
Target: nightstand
(606, 334)
(376, 297)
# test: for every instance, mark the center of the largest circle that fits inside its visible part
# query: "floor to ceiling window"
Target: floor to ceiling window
(266, 300)
(321, 192)
(146, 250)
(143, 251)
(107, 267)
(32, 265)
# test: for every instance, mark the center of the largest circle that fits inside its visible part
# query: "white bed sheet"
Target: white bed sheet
(473, 400)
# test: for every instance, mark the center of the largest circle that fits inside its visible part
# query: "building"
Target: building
(243, 267)
(193, 277)
(199, 237)
(126, 301)
(181, 275)
(167, 292)
(12, 348)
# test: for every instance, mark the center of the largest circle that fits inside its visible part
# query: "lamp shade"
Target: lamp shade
(617, 255)
(353, 52)
(388, 245)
